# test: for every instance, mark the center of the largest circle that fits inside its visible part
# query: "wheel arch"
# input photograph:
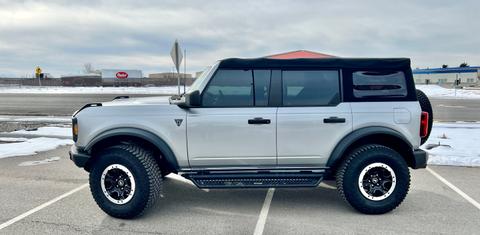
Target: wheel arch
(371, 135)
(162, 151)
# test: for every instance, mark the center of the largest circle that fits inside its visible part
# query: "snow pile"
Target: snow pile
(65, 132)
(30, 146)
(440, 92)
(163, 90)
(454, 144)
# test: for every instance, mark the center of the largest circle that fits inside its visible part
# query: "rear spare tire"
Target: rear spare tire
(426, 107)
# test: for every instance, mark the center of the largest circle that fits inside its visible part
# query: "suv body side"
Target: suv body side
(297, 135)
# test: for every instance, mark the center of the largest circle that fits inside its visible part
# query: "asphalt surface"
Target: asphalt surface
(430, 208)
(66, 104)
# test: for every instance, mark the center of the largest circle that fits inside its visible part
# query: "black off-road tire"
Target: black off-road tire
(426, 107)
(145, 171)
(349, 172)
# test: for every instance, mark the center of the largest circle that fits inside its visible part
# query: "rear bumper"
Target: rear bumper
(78, 156)
(420, 159)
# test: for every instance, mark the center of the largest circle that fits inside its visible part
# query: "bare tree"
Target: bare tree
(88, 69)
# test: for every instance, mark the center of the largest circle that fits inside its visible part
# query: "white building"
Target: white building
(466, 75)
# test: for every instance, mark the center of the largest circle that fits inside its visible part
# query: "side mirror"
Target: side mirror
(193, 99)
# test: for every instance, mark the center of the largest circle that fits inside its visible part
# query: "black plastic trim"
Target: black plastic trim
(78, 156)
(87, 106)
(420, 158)
(139, 133)
(351, 138)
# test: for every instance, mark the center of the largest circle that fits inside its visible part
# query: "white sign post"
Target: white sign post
(177, 57)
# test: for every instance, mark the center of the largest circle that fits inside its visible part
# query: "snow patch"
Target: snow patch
(31, 146)
(440, 92)
(47, 131)
(454, 144)
(56, 119)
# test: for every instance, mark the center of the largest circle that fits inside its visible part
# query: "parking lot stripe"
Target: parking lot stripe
(38, 208)
(454, 188)
(262, 218)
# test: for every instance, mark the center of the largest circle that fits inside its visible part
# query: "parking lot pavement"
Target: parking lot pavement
(430, 207)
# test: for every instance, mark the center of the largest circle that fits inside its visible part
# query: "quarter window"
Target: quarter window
(379, 84)
(310, 88)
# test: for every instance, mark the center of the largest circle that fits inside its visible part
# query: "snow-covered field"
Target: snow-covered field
(455, 144)
(440, 92)
(164, 90)
(24, 147)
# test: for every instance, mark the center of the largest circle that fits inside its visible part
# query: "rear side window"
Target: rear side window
(387, 84)
(310, 88)
(229, 88)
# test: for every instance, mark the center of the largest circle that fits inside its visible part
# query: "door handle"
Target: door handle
(258, 120)
(334, 120)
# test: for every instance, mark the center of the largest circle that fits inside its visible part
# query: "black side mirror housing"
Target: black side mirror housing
(192, 99)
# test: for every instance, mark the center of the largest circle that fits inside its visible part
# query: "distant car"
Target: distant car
(261, 123)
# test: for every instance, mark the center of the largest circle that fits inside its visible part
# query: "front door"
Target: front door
(234, 125)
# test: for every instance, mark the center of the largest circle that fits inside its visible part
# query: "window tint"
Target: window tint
(262, 86)
(379, 84)
(229, 88)
(309, 88)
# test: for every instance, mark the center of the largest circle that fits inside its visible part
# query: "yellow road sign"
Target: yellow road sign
(38, 70)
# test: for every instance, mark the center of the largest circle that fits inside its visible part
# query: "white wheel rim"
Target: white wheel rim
(107, 192)
(365, 179)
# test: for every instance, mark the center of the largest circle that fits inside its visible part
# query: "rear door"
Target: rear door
(234, 125)
(312, 118)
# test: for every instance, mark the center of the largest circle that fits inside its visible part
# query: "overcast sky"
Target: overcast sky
(60, 36)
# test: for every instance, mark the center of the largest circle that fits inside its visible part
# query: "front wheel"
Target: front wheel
(125, 180)
(373, 179)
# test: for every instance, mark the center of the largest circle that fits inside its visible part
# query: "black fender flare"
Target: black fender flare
(339, 150)
(139, 133)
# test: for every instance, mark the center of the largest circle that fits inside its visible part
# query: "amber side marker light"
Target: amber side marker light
(74, 129)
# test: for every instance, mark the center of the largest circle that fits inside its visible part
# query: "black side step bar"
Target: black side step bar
(256, 180)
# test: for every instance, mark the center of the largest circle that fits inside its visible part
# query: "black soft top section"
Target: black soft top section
(352, 63)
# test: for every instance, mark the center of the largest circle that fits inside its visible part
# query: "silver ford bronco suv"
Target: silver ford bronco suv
(262, 123)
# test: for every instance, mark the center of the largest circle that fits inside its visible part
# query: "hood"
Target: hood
(154, 100)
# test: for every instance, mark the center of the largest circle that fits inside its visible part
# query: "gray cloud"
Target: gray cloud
(62, 35)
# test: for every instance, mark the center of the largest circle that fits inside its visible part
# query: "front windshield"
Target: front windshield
(200, 80)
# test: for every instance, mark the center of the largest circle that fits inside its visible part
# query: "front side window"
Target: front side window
(229, 88)
(310, 88)
(379, 84)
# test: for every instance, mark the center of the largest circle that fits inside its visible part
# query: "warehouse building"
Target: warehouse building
(169, 78)
(122, 77)
(468, 76)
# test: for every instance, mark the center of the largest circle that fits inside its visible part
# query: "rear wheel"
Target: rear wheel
(125, 180)
(426, 107)
(374, 179)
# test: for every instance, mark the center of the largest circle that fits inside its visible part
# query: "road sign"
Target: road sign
(38, 70)
(177, 56)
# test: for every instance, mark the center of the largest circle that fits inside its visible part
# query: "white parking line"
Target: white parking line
(262, 218)
(454, 188)
(38, 208)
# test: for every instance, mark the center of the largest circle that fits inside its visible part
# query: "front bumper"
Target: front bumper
(78, 156)
(420, 159)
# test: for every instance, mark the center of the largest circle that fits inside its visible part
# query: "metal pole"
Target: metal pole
(185, 72)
